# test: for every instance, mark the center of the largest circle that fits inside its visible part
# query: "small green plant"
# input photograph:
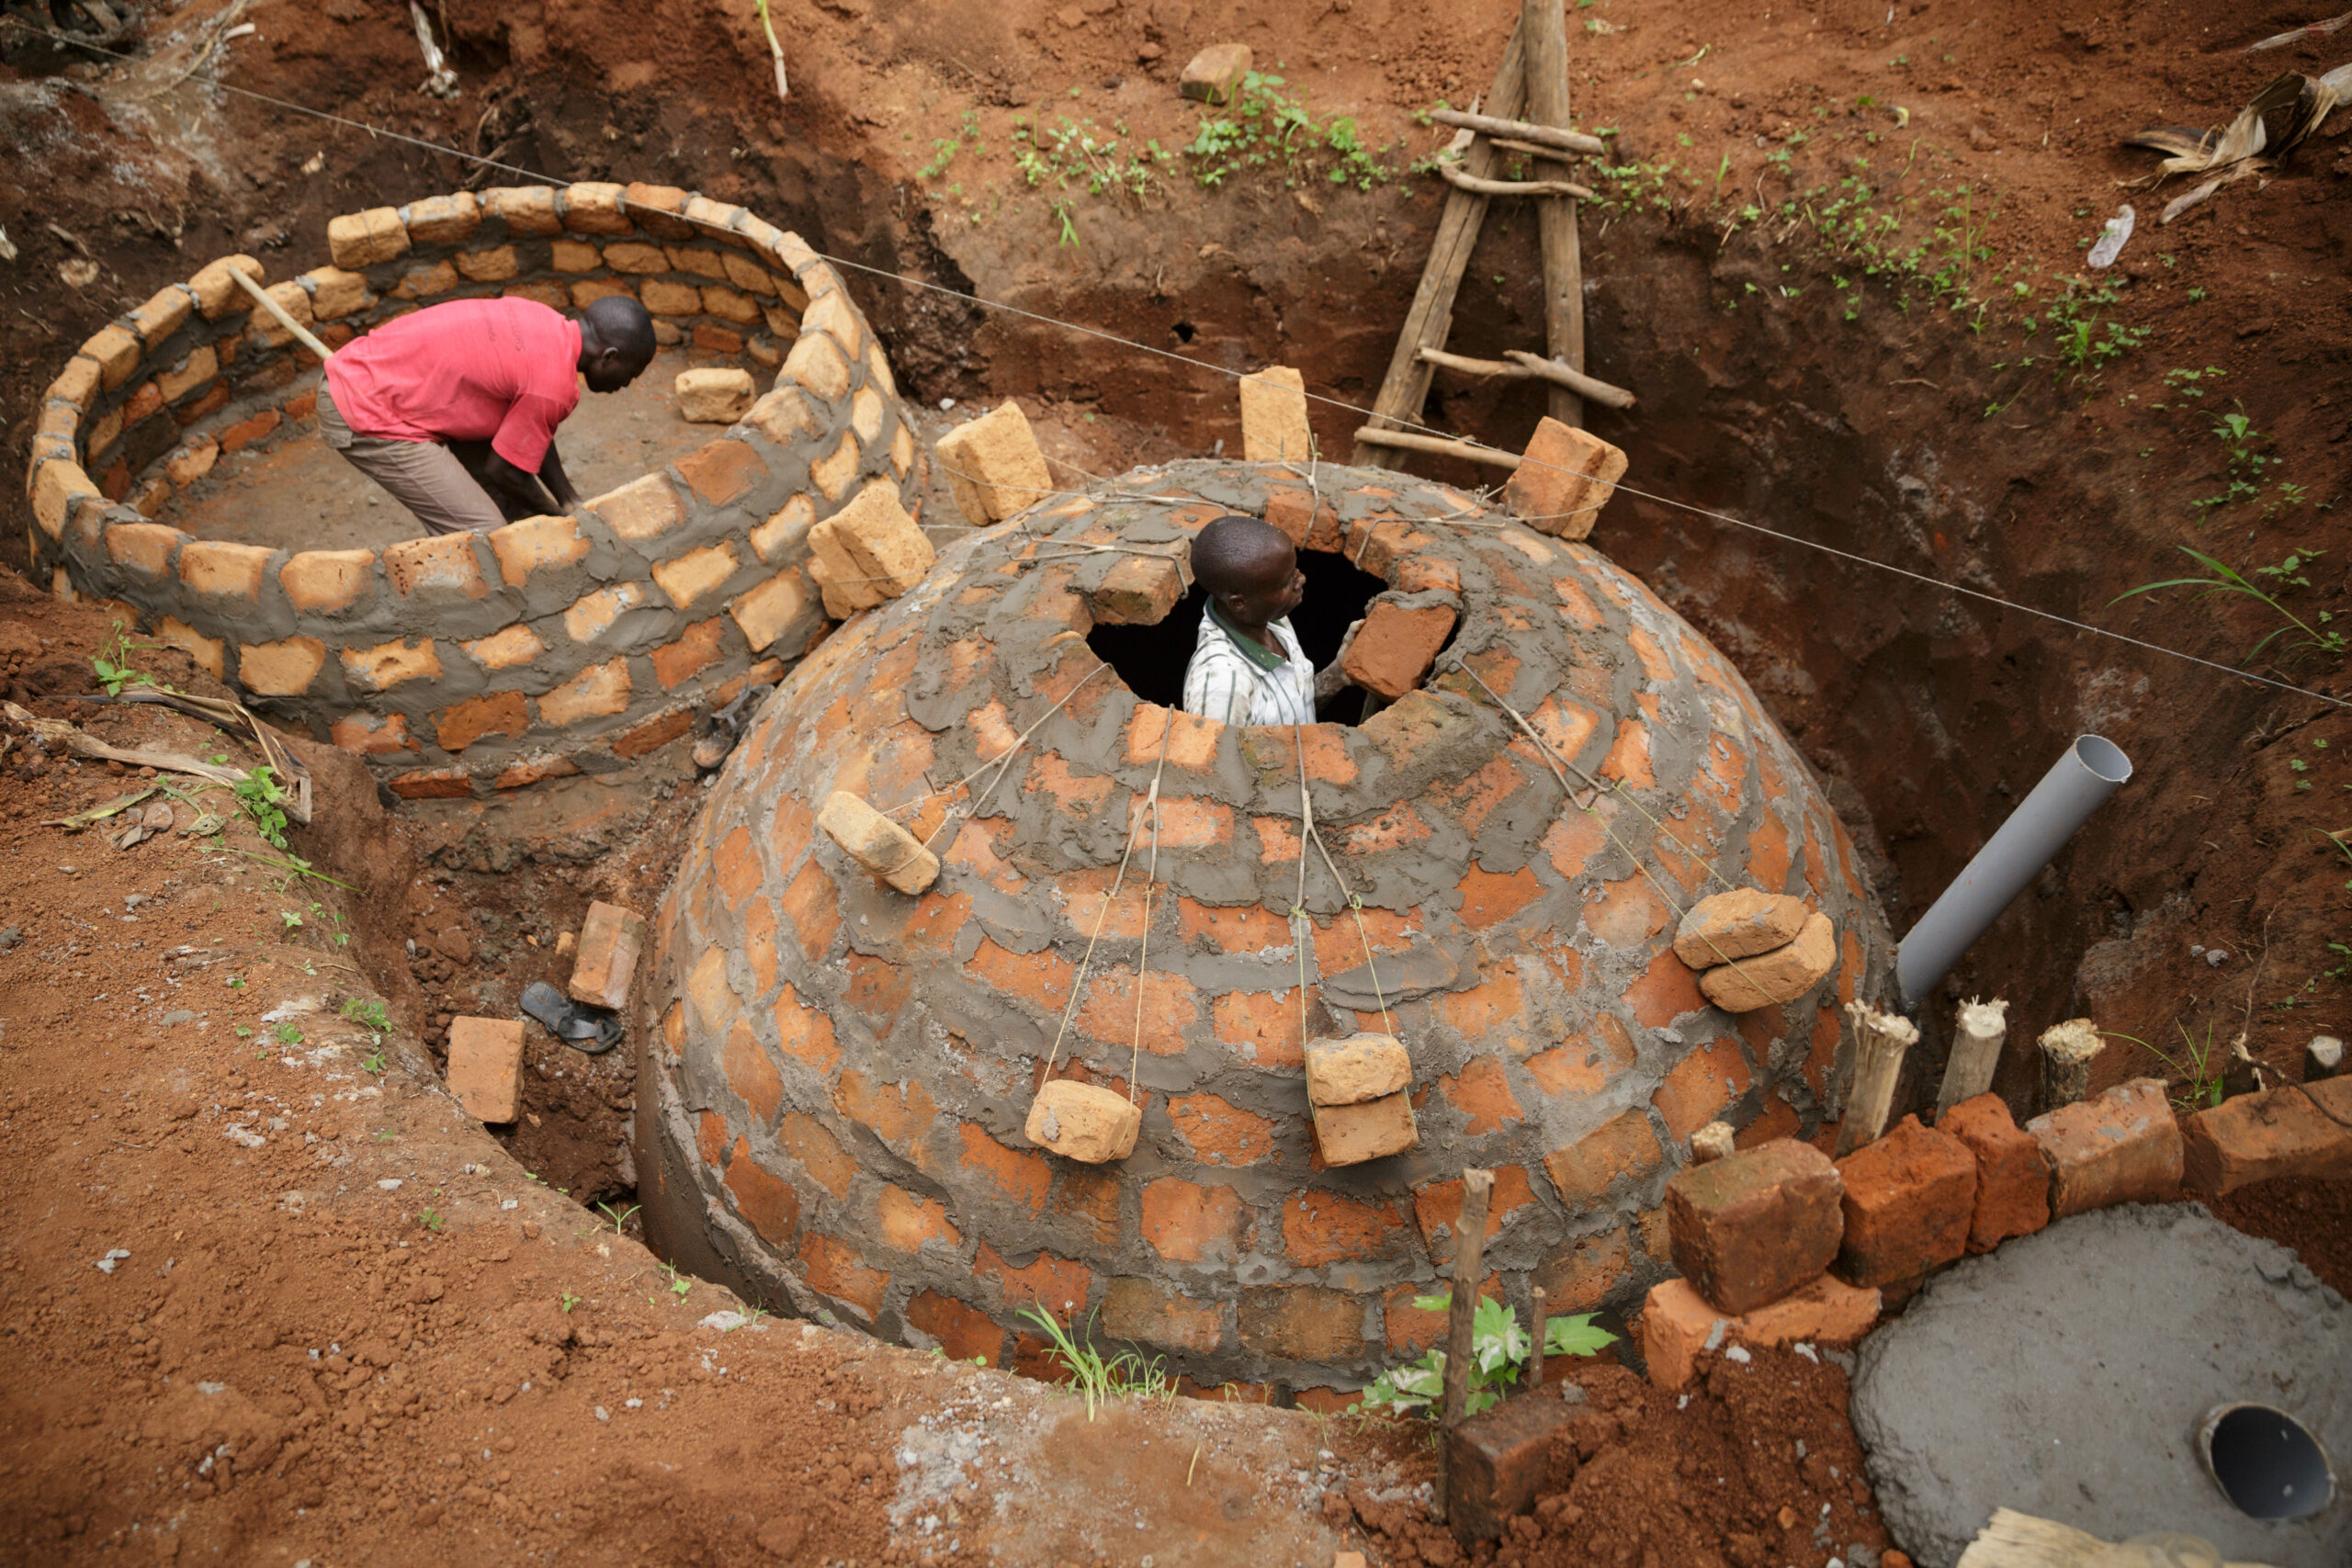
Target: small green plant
(236, 982)
(1265, 128)
(372, 1064)
(261, 797)
(113, 667)
(678, 1287)
(2303, 637)
(1499, 1348)
(2200, 1063)
(244, 1032)
(2189, 384)
(369, 1016)
(568, 1301)
(1099, 1379)
(431, 1219)
(619, 1217)
(286, 1035)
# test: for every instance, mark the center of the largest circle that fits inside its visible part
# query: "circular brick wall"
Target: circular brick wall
(833, 1107)
(467, 663)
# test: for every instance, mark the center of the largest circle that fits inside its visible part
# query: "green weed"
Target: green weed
(2201, 1063)
(1499, 1348)
(262, 799)
(368, 1016)
(2303, 639)
(1099, 1379)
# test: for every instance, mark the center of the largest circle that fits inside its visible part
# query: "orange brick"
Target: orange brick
(1322, 1227)
(597, 692)
(1151, 1314)
(1022, 1177)
(431, 783)
(1488, 899)
(815, 908)
(610, 939)
(1263, 1027)
(1481, 1091)
(751, 1074)
(1187, 824)
(371, 735)
(1170, 1007)
(653, 733)
(1667, 990)
(1251, 927)
(493, 713)
(722, 471)
(2297, 1131)
(1575, 1067)
(833, 1269)
(737, 865)
(964, 1333)
(821, 1154)
(759, 946)
(879, 989)
(1057, 1284)
(1627, 913)
(217, 566)
(806, 1033)
(1190, 1223)
(1623, 1148)
(1091, 1198)
(909, 1221)
(1578, 838)
(1578, 1278)
(1302, 1323)
(1701, 1085)
(770, 1206)
(1219, 1133)
(1677, 1324)
(485, 1067)
(1440, 1205)
(897, 1112)
(1193, 746)
(1041, 979)
(710, 1135)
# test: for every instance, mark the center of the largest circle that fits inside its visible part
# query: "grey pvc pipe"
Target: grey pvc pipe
(2083, 777)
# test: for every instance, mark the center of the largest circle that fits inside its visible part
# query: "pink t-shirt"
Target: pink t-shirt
(501, 370)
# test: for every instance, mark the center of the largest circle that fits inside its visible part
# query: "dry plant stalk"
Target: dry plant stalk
(1711, 1143)
(1469, 1269)
(2067, 1050)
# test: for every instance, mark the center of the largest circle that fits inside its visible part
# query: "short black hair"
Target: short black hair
(621, 323)
(1227, 548)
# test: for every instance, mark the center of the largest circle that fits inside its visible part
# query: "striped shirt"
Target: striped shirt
(1236, 679)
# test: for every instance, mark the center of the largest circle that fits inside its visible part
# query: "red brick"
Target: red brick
(1623, 1148)
(677, 662)
(1393, 650)
(1185, 1223)
(493, 713)
(1261, 1027)
(370, 736)
(1302, 1323)
(751, 1074)
(1909, 1199)
(813, 902)
(1677, 1323)
(610, 940)
(1220, 1134)
(964, 1333)
(1321, 1226)
(1170, 1007)
(1438, 1206)
(806, 1033)
(1700, 1086)
(833, 1269)
(2259, 1137)
(769, 1205)
(2122, 1146)
(1193, 746)
(1578, 1277)
(2012, 1178)
(1149, 1314)
(431, 783)
(1495, 1461)
(1749, 1229)
(1409, 1329)
(1488, 899)
(1057, 1284)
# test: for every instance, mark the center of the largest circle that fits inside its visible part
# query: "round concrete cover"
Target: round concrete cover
(2064, 1376)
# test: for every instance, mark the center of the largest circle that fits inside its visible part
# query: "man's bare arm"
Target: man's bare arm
(552, 474)
(508, 484)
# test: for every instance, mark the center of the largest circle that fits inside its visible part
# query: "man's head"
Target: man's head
(1250, 569)
(616, 343)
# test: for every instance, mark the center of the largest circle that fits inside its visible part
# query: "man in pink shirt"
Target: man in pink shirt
(453, 409)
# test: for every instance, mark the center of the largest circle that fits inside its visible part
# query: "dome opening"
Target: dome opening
(1150, 656)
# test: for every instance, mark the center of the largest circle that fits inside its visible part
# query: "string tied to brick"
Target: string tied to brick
(1301, 928)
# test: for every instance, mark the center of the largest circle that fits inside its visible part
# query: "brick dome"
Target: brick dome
(832, 1110)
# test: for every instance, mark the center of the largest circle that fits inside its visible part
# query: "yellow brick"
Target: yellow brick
(592, 614)
(335, 293)
(770, 610)
(495, 265)
(527, 209)
(444, 220)
(517, 644)
(362, 239)
(217, 293)
(695, 573)
(597, 692)
(389, 664)
(219, 566)
(641, 509)
(524, 547)
(280, 669)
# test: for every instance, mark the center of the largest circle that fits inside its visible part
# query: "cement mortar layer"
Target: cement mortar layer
(833, 1105)
(2065, 1376)
(470, 663)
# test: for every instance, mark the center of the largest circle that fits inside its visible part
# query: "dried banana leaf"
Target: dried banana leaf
(2245, 146)
(96, 814)
(2297, 35)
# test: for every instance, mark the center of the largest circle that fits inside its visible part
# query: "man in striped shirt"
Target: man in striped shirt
(1246, 665)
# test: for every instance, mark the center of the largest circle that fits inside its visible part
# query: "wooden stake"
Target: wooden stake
(1976, 1052)
(1880, 1039)
(1467, 451)
(1469, 1273)
(289, 323)
(1711, 1143)
(1546, 138)
(1461, 181)
(1535, 1356)
(2067, 1050)
(2323, 1058)
(1431, 320)
(1544, 24)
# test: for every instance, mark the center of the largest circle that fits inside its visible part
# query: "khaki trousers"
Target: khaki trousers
(429, 478)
